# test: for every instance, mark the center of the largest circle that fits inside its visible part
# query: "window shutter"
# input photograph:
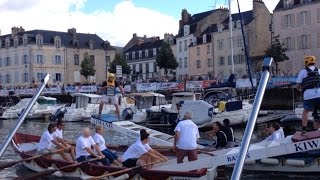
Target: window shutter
(308, 18)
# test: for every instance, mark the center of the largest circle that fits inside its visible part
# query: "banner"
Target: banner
(52, 90)
(280, 81)
(127, 88)
(167, 86)
(146, 86)
(193, 84)
(245, 83)
(69, 89)
(207, 83)
(87, 88)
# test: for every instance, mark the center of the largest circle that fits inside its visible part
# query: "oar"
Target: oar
(8, 164)
(51, 171)
(123, 171)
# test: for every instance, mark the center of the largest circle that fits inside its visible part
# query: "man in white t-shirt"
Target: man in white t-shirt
(140, 153)
(275, 132)
(47, 142)
(100, 141)
(309, 82)
(185, 138)
(57, 135)
(83, 148)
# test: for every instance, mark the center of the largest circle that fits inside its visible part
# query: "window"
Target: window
(154, 52)
(24, 59)
(180, 46)
(127, 56)
(7, 43)
(57, 59)
(304, 42)
(198, 64)
(305, 1)
(133, 55)
(39, 40)
(15, 42)
(185, 45)
(1, 81)
(208, 49)
(140, 68)
(240, 59)
(288, 20)
(25, 77)
(146, 54)
(24, 41)
(16, 59)
(91, 44)
(198, 51)
(210, 63)
(204, 38)
(180, 63)
(185, 62)
(220, 44)
(303, 16)
(39, 59)
(8, 61)
(57, 42)
(8, 78)
(288, 43)
(140, 54)
(76, 59)
(0, 62)
(39, 76)
(221, 61)
(229, 60)
(92, 60)
(58, 77)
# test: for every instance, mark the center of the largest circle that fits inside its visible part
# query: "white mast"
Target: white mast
(231, 36)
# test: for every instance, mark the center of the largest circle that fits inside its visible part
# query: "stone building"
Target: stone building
(26, 56)
(297, 22)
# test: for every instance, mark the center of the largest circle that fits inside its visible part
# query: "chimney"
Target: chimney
(184, 16)
(73, 32)
(134, 35)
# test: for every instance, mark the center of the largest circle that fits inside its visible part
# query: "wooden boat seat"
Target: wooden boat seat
(310, 135)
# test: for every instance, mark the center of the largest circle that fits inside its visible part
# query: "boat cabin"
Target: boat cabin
(81, 100)
(148, 99)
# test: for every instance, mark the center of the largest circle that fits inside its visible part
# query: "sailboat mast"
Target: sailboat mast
(231, 36)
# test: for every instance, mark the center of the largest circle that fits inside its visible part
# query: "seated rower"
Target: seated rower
(100, 141)
(140, 153)
(218, 135)
(83, 148)
(275, 131)
(47, 142)
(57, 135)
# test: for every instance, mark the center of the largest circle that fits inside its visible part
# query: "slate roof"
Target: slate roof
(247, 17)
(145, 46)
(66, 39)
(296, 2)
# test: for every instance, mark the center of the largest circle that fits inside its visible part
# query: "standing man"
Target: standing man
(110, 88)
(309, 82)
(185, 138)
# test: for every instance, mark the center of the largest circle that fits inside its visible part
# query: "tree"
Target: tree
(165, 58)
(120, 60)
(87, 67)
(277, 52)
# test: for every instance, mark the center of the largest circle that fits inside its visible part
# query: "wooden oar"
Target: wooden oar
(51, 171)
(123, 171)
(8, 164)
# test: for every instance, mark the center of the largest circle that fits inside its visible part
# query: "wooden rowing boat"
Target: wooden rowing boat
(25, 146)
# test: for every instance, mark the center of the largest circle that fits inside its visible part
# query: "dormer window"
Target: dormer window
(133, 55)
(127, 56)
(238, 24)
(287, 3)
(305, 1)
(204, 38)
(57, 41)
(7, 42)
(140, 54)
(220, 28)
(186, 29)
(91, 44)
(194, 41)
(24, 40)
(146, 54)
(39, 40)
(0, 43)
(15, 42)
(154, 52)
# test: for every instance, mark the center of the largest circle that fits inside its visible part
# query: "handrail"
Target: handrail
(23, 115)
(237, 170)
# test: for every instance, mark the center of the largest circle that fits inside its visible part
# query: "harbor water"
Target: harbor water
(73, 130)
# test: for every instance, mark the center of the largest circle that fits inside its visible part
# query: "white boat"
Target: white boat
(43, 106)
(276, 156)
(147, 104)
(84, 105)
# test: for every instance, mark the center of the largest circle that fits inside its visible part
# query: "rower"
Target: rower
(47, 142)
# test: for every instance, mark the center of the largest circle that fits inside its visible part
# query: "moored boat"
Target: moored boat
(25, 146)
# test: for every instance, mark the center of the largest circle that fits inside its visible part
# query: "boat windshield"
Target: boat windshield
(46, 102)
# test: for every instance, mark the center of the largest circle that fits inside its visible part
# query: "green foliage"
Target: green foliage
(120, 60)
(165, 58)
(277, 52)
(87, 67)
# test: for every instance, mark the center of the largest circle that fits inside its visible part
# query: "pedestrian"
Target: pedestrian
(309, 83)
(185, 138)
(275, 132)
(217, 134)
(227, 129)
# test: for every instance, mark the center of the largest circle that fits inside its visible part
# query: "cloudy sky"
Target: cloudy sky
(113, 20)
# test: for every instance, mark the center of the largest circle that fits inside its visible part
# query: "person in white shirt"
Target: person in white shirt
(309, 82)
(185, 138)
(83, 148)
(100, 141)
(275, 131)
(140, 153)
(57, 135)
(47, 143)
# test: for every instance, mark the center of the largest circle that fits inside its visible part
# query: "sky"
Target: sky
(112, 20)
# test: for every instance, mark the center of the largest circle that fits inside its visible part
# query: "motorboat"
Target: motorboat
(44, 106)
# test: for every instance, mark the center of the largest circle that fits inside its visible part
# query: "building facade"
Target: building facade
(298, 25)
(26, 56)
